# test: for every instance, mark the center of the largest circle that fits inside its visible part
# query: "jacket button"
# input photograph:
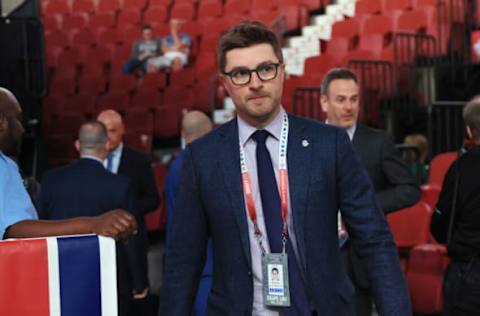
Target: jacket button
(249, 273)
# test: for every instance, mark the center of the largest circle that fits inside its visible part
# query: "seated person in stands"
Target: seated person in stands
(175, 50)
(143, 50)
(417, 162)
(18, 217)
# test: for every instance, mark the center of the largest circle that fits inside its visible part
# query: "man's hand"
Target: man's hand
(140, 295)
(117, 224)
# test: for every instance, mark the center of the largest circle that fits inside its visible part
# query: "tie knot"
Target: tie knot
(260, 136)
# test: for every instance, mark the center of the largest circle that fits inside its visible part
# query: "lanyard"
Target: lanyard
(283, 175)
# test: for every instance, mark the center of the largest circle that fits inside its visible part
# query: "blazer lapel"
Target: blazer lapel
(298, 164)
(230, 165)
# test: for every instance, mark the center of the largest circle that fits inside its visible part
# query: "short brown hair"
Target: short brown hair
(334, 74)
(245, 34)
(471, 117)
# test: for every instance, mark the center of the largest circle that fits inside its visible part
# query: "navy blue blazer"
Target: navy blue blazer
(86, 188)
(324, 176)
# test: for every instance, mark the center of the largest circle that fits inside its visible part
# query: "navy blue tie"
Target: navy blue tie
(273, 222)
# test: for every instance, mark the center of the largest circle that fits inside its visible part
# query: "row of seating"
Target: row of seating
(423, 260)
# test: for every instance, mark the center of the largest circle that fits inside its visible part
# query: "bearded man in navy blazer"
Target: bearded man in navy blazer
(324, 176)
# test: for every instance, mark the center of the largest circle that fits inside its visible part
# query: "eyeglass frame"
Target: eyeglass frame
(250, 71)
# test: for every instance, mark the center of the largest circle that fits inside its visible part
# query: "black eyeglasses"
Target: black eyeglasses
(242, 76)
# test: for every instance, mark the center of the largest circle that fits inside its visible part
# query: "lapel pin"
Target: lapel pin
(305, 143)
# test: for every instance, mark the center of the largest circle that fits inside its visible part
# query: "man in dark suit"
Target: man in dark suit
(131, 163)
(395, 186)
(85, 188)
(18, 218)
(229, 191)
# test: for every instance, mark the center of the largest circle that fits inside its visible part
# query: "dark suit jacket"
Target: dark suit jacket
(136, 167)
(323, 178)
(86, 188)
(395, 186)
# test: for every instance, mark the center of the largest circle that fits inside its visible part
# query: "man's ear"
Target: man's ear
(469, 132)
(3, 123)
(324, 103)
(77, 145)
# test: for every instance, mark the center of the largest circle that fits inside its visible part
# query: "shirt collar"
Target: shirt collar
(350, 131)
(116, 152)
(92, 158)
(246, 130)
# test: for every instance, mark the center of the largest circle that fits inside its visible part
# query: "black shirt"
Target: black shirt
(465, 241)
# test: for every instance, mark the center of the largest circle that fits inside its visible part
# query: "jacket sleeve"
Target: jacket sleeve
(136, 247)
(441, 215)
(402, 189)
(369, 232)
(148, 197)
(186, 249)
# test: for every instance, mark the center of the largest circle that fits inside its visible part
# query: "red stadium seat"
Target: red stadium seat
(123, 83)
(261, 5)
(267, 17)
(102, 54)
(181, 97)
(93, 69)
(427, 265)
(81, 104)
(423, 3)
(139, 120)
(102, 20)
(213, 26)
(316, 67)
(146, 99)
(67, 123)
(203, 98)
(107, 36)
(91, 85)
(153, 81)
(411, 226)
(52, 22)
(378, 24)
(75, 21)
(87, 6)
(56, 39)
(236, 7)
(391, 5)
(118, 101)
(62, 87)
(337, 47)
(129, 17)
(165, 3)
(368, 7)
(57, 7)
(210, 8)
(412, 21)
(84, 37)
(439, 167)
(373, 43)
(183, 78)
(347, 28)
(108, 5)
(65, 72)
(185, 11)
(155, 15)
(292, 14)
(134, 4)
(167, 121)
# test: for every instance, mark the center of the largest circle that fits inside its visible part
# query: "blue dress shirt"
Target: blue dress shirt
(15, 204)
